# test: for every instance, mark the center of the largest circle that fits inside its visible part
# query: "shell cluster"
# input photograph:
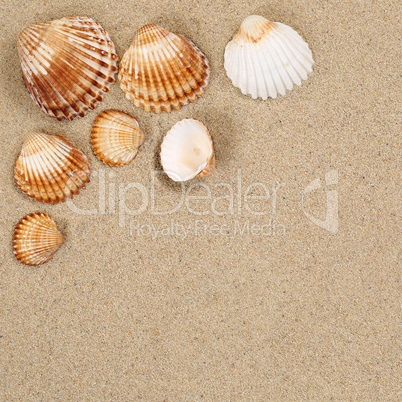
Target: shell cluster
(116, 137)
(162, 70)
(67, 65)
(70, 63)
(50, 168)
(36, 239)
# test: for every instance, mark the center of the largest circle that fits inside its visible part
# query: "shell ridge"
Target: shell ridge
(164, 89)
(291, 57)
(189, 62)
(50, 179)
(36, 180)
(28, 177)
(179, 90)
(167, 92)
(63, 90)
(71, 55)
(262, 86)
(277, 77)
(253, 77)
(63, 168)
(54, 92)
(186, 94)
(38, 81)
(153, 79)
(273, 88)
(303, 58)
(43, 158)
(279, 64)
(174, 80)
(192, 61)
(287, 70)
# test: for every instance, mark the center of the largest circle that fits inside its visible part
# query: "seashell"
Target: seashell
(67, 65)
(187, 151)
(116, 137)
(266, 58)
(36, 239)
(162, 70)
(50, 168)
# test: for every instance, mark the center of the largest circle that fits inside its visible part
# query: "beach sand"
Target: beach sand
(160, 294)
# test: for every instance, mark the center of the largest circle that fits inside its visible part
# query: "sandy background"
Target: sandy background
(301, 314)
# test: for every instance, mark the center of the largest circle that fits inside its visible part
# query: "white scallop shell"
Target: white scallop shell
(187, 151)
(266, 58)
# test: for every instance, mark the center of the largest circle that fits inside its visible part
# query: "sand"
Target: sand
(211, 300)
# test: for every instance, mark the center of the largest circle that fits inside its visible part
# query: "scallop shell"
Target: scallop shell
(67, 65)
(162, 70)
(116, 137)
(50, 168)
(266, 58)
(187, 151)
(36, 239)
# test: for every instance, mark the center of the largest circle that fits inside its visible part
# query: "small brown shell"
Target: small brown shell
(162, 70)
(50, 168)
(36, 239)
(67, 65)
(116, 137)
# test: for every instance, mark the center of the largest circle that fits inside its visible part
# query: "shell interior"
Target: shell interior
(187, 151)
(67, 65)
(50, 168)
(116, 137)
(36, 239)
(162, 70)
(266, 58)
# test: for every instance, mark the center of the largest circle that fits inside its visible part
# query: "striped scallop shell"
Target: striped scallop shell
(50, 168)
(116, 137)
(266, 58)
(162, 70)
(36, 239)
(67, 65)
(187, 151)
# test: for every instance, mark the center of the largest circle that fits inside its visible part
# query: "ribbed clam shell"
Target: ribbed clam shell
(50, 168)
(162, 70)
(116, 137)
(67, 65)
(36, 239)
(187, 151)
(266, 58)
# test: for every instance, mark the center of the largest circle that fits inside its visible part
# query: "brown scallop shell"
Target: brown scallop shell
(36, 239)
(116, 137)
(162, 70)
(67, 65)
(50, 168)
